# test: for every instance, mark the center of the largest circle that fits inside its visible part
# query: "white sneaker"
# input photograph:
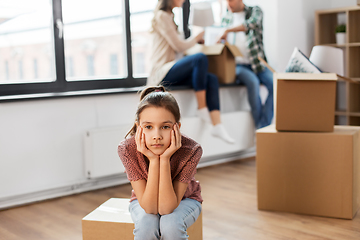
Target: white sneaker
(220, 132)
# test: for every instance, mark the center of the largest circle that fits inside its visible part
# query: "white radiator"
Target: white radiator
(101, 157)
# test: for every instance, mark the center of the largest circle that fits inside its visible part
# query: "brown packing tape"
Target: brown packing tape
(266, 64)
(347, 79)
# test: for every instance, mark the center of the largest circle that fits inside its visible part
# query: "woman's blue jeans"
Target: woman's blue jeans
(172, 226)
(192, 71)
(262, 114)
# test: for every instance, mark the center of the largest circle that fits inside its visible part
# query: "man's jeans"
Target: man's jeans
(262, 114)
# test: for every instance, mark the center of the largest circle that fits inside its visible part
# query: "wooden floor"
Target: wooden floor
(229, 212)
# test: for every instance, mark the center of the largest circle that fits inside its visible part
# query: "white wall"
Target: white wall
(41, 141)
(343, 3)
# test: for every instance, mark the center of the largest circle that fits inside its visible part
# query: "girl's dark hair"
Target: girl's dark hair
(155, 97)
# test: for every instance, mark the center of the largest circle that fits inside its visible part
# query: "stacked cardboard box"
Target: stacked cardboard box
(302, 166)
(305, 101)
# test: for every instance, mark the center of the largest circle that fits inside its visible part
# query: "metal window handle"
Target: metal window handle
(60, 26)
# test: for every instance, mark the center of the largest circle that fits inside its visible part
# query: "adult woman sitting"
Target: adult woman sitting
(170, 68)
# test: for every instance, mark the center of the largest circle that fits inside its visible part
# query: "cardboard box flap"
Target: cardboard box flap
(113, 210)
(234, 50)
(207, 50)
(307, 76)
(215, 49)
(338, 130)
(339, 76)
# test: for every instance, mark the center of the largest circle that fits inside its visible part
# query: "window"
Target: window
(90, 65)
(141, 13)
(35, 65)
(113, 64)
(20, 69)
(69, 66)
(7, 70)
(139, 61)
(94, 29)
(49, 46)
(25, 34)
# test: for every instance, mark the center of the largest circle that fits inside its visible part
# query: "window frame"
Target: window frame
(62, 88)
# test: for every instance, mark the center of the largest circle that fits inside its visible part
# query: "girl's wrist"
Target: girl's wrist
(154, 159)
(164, 158)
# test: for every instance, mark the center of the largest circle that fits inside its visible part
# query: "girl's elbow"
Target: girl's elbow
(165, 211)
(151, 211)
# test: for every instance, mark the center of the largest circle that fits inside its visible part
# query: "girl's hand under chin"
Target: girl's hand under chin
(175, 143)
(141, 146)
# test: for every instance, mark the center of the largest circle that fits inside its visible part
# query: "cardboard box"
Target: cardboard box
(309, 173)
(221, 59)
(112, 221)
(305, 101)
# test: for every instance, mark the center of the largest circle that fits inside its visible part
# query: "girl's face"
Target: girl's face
(178, 3)
(157, 124)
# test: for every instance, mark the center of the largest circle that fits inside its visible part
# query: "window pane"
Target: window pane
(26, 41)
(140, 23)
(93, 32)
(114, 64)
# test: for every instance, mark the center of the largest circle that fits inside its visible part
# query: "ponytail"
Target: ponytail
(148, 90)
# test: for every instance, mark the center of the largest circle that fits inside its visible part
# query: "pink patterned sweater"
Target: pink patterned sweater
(183, 164)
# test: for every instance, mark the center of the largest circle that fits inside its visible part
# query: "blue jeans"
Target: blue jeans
(262, 114)
(193, 71)
(172, 226)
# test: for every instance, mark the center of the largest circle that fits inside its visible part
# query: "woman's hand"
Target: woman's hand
(202, 41)
(175, 143)
(200, 36)
(141, 146)
(198, 32)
